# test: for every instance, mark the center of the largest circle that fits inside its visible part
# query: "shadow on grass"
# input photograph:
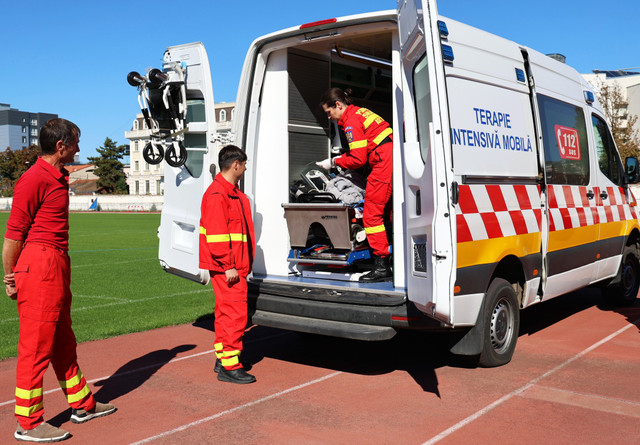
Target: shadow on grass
(129, 377)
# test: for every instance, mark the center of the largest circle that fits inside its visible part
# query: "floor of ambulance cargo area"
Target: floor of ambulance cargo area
(573, 379)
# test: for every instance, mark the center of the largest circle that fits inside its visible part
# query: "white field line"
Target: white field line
(144, 368)
(122, 301)
(114, 262)
(237, 408)
(522, 389)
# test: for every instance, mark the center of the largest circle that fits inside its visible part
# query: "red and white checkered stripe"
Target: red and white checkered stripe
(570, 207)
(493, 211)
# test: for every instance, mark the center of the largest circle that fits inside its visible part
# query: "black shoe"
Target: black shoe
(381, 271)
(235, 376)
(216, 368)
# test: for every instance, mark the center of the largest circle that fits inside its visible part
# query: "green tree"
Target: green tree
(621, 122)
(109, 169)
(13, 164)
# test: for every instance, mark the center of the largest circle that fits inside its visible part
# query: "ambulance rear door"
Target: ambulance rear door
(426, 161)
(184, 186)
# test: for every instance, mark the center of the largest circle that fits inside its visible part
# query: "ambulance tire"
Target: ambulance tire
(624, 291)
(501, 314)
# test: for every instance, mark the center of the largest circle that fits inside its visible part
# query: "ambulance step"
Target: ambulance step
(324, 327)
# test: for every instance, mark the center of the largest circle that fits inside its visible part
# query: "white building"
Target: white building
(629, 83)
(146, 179)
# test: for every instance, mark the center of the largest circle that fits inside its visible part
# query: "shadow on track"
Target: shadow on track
(128, 377)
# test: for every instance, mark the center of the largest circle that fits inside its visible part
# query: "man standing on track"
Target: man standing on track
(38, 276)
(227, 244)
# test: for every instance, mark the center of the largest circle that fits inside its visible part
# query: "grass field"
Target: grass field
(117, 283)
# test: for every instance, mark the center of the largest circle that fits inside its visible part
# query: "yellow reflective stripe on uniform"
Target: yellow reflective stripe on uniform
(369, 120)
(28, 410)
(230, 358)
(386, 132)
(26, 394)
(223, 238)
(357, 144)
(84, 392)
(73, 381)
(375, 229)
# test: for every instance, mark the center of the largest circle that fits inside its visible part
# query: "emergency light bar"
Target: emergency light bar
(589, 97)
(442, 27)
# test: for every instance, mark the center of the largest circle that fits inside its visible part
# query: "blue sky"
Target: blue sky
(72, 57)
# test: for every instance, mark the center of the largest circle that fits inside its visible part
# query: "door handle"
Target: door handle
(590, 194)
(603, 195)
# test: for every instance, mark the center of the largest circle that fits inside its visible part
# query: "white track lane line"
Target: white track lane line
(144, 368)
(522, 389)
(237, 408)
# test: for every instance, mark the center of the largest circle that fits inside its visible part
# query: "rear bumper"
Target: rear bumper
(354, 314)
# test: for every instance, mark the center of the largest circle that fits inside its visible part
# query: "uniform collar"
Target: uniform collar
(57, 174)
(230, 188)
(347, 114)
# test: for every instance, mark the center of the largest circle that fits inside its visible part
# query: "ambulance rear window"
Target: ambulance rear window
(564, 135)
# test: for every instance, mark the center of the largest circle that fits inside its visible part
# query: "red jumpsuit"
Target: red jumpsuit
(40, 218)
(226, 242)
(370, 138)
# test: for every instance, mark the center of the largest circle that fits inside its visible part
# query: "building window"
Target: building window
(34, 122)
(158, 187)
(223, 115)
(24, 129)
(34, 141)
(144, 125)
(24, 139)
(34, 132)
(136, 166)
(137, 187)
(146, 166)
(136, 125)
(147, 187)
(233, 113)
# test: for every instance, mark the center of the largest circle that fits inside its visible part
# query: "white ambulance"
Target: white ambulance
(508, 189)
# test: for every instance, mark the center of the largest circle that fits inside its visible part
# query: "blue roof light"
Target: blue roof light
(447, 53)
(589, 97)
(520, 75)
(442, 27)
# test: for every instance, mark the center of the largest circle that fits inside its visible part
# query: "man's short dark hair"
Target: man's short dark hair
(228, 155)
(55, 130)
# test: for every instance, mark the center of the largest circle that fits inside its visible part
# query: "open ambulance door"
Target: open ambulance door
(184, 186)
(426, 161)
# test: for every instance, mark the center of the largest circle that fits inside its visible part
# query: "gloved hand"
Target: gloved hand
(327, 164)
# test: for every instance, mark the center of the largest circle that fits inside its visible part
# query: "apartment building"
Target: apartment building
(20, 129)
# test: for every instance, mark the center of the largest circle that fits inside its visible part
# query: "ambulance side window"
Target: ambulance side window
(422, 91)
(608, 157)
(566, 148)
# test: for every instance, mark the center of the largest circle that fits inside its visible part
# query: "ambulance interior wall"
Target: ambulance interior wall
(292, 132)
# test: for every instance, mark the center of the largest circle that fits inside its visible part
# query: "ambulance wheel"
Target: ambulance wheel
(501, 314)
(625, 291)
(176, 158)
(153, 153)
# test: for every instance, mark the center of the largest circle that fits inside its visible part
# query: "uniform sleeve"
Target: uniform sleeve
(356, 157)
(215, 223)
(24, 206)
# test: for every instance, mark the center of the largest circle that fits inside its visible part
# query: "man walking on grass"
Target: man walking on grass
(38, 275)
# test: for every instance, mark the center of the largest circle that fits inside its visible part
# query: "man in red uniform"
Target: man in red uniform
(39, 274)
(370, 139)
(227, 244)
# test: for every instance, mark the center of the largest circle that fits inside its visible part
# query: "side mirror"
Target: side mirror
(632, 170)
